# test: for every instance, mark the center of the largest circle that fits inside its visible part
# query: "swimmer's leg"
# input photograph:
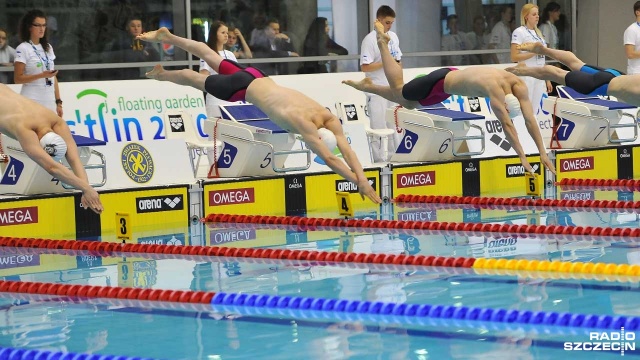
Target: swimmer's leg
(181, 77)
(199, 49)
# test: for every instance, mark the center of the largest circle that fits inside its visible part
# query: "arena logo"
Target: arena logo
(177, 123)
(517, 170)
(577, 164)
(351, 111)
(170, 239)
(474, 104)
(19, 216)
(348, 186)
(232, 196)
(137, 163)
(425, 178)
(159, 203)
(605, 341)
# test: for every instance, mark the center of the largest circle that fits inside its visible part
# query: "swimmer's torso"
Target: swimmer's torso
(286, 107)
(471, 82)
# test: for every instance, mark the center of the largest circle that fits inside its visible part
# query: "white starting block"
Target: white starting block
(587, 122)
(434, 133)
(22, 176)
(252, 145)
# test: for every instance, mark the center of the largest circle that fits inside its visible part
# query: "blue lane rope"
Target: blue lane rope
(7, 353)
(355, 310)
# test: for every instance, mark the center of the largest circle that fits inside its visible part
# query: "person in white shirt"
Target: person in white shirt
(34, 63)
(529, 33)
(7, 55)
(218, 37)
(478, 39)
(632, 43)
(371, 65)
(501, 36)
(550, 14)
(454, 41)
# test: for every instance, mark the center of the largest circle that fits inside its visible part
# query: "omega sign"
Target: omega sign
(231, 196)
(18, 216)
(416, 179)
(577, 164)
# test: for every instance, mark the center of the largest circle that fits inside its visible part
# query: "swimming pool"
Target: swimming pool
(228, 330)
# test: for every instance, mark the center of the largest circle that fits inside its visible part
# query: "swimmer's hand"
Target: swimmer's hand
(548, 163)
(365, 189)
(91, 200)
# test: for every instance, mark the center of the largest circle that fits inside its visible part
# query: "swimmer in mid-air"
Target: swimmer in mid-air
(45, 138)
(507, 93)
(287, 108)
(585, 79)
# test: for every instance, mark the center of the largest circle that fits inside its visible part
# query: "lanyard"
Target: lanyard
(534, 35)
(45, 60)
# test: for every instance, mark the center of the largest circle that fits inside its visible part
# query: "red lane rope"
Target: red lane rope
(101, 248)
(605, 184)
(521, 203)
(109, 292)
(423, 227)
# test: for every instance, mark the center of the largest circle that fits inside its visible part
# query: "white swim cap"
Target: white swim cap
(54, 145)
(513, 105)
(328, 138)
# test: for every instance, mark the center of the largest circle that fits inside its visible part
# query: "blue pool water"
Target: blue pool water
(106, 327)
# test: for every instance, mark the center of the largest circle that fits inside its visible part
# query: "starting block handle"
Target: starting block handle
(480, 137)
(634, 125)
(102, 166)
(293, 168)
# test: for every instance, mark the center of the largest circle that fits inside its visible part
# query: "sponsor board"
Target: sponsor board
(256, 197)
(46, 218)
(177, 239)
(593, 164)
(145, 209)
(428, 179)
(636, 164)
(321, 191)
(505, 176)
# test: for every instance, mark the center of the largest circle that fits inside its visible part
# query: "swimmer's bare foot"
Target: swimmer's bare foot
(533, 47)
(156, 72)
(380, 34)
(154, 36)
(361, 85)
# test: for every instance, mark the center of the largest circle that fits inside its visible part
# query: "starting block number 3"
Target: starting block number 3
(344, 203)
(532, 185)
(123, 226)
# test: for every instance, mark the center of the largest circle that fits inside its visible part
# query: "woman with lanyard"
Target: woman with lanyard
(529, 32)
(33, 65)
(218, 37)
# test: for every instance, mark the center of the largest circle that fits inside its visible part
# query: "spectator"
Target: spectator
(318, 43)
(371, 65)
(271, 43)
(128, 49)
(529, 33)
(34, 63)
(454, 41)
(240, 50)
(7, 55)
(218, 37)
(478, 39)
(501, 36)
(632, 43)
(550, 15)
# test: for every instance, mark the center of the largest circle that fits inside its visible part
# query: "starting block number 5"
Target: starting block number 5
(344, 204)
(533, 188)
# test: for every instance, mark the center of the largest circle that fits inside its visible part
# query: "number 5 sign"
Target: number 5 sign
(533, 188)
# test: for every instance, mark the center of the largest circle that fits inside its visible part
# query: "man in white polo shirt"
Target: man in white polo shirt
(371, 65)
(632, 43)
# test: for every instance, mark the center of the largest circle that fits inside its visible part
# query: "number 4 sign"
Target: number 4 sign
(12, 172)
(344, 204)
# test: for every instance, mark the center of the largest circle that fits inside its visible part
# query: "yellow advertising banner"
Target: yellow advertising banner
(433, 179)
(256, 197)
(593, 164)
(51, 218)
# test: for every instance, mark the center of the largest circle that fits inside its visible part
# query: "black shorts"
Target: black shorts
(589, 84)
(427, 89)
(232, 81)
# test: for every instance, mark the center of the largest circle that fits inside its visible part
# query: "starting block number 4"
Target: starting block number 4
(123, 226)
(344, 204)
(532, 186)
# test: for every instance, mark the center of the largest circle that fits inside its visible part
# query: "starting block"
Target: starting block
(22, 176)
(252, 145)
(587, 122)
(434, 133)
(350, 113)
